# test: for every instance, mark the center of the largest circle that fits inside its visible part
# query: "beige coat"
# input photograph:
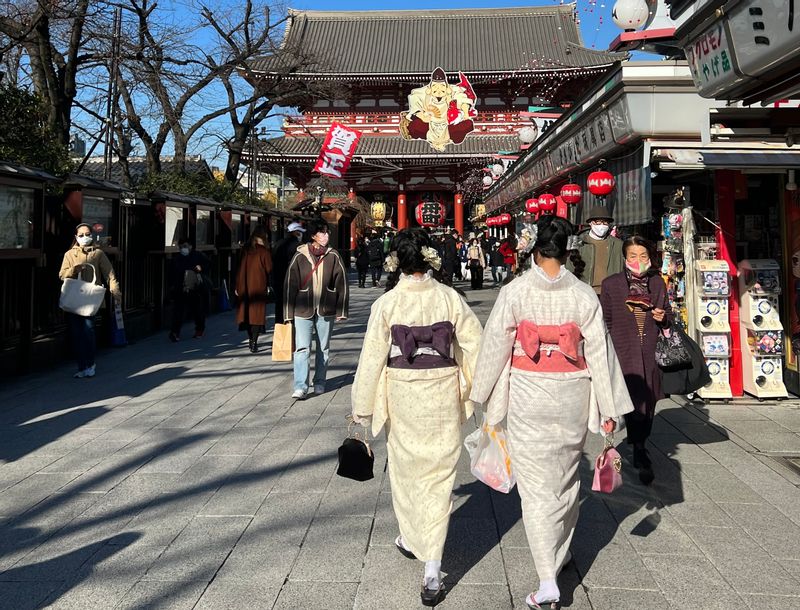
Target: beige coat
(76, 256)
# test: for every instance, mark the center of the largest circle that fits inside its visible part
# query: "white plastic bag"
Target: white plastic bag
(489, 460)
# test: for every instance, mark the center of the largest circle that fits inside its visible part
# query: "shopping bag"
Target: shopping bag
(607, 469)
(489, 460)
(282, 343)
(81, 298)
(672, 351)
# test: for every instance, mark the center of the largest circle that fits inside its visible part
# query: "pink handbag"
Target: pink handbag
(607, 469)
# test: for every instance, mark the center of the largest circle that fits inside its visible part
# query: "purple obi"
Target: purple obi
(422, 347)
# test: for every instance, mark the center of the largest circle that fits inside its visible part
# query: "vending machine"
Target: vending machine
(762, 331)
(713, 290)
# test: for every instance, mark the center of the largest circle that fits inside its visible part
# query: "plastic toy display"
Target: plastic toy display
(713, 289)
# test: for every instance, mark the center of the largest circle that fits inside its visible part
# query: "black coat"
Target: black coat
(362, 257)
(375, 249)
(687, 380)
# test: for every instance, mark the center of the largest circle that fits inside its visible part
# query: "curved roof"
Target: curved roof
(520, 40)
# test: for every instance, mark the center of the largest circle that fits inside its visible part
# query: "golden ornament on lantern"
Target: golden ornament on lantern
(479, 210)
(379, 211)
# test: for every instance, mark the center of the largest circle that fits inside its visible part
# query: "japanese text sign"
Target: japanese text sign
(337, 150)
(711, 61)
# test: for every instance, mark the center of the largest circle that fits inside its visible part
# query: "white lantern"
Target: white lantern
(528, 135)
(487, 180)
(630, 15)
(497, 169)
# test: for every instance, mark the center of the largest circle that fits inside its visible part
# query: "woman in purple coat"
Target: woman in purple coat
(635, 308)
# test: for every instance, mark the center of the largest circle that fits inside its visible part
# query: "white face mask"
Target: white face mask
(84, 240)
(185, 251)
(599, 231)
(322, 239)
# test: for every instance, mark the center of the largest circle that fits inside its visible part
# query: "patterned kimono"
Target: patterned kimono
(414, 376)
(548, 365)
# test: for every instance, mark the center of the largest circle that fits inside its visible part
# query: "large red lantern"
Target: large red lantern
(547, 203)
(429, 214)
(532, 205)
(504, 219)
(490, 221)
(600, 183)
(571, 193)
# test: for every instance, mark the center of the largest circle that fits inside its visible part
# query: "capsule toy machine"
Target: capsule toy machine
(713, 290)
(762, 332)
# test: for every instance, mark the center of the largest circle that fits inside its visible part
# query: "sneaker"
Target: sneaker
(89, 372)
(319, 388)
(80, 374)
(298, 394)
(311, 391)
(174, 338)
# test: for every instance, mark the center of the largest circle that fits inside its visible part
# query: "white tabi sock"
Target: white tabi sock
(432, 574)
(548, 592)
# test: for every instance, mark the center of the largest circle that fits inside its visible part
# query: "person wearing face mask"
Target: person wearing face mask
(315, 294)
(282, 254)
(190, 291)
(635, 308)
(79, 260)
(600, 252)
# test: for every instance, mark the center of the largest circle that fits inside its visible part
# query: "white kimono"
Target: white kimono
(422, 409)
(548, 413)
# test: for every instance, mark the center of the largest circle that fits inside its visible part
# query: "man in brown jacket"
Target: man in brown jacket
(315, 293)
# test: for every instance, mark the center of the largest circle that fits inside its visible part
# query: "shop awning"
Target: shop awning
(701, 158)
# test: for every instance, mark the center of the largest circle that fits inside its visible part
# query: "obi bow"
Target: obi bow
(438, 336)
(566, 336)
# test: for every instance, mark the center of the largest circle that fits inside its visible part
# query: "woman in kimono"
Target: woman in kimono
(547, 364)
(414, 377)
(635, 309)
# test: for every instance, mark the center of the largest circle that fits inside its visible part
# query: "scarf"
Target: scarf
(316, 250)
(638, 290)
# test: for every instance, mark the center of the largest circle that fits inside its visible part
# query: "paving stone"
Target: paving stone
(310, 473)
(651, 531)
(472, 552)
(720, 484)
(692, 582)
(622, 599)
(706, 514)
(26, 595)
(162, 595)
(772, 602)
(227, 595)
(769, 527)
(333, 550)
(316, 596)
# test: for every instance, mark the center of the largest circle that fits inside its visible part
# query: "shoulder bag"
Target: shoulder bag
(80, 297)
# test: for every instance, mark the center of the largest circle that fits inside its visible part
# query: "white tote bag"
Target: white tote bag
(82, 298)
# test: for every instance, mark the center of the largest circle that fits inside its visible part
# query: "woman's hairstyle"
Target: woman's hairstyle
(318, 225)
(258, 233)
(408, 245)
(552, 236)
(638, 240)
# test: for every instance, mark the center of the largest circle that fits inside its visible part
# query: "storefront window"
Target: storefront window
(237, 229)
(16, 217)
(98, 214)
(205, 233)
(175, 221)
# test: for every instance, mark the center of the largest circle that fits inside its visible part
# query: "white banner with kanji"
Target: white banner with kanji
(337, 150)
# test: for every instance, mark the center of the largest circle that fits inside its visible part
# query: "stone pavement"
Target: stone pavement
(183, 476)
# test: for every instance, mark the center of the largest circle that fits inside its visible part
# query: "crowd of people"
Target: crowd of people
(569, 348)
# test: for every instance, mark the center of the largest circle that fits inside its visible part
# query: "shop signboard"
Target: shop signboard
(764, 34)
(619, 117)
(711, 61)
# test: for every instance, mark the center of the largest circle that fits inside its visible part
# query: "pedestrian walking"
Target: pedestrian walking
(252, 282)
(90, 263)
(282, 254)
(316, 294)
(508, 250)
(449, 256)
(476, 264)
(600, 252)
(190, 289)
(362, 262)
(635, 309)
(376, 256)
(461, 266)
(497, 263)
(548, 368)
(413, 376)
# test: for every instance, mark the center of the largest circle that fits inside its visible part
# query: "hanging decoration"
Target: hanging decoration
(504, 219)
(600, 183)
(488, 180)
(379, 211)
(630, 15)
(528, 134)
(429, 214)
(439, 112)
(571, 193)
(547, 203)
(478, 210)
(491, 221)
(497, 170)
(337, 150)
(532, 205)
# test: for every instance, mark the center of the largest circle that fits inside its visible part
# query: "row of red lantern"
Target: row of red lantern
(498, 221)
(600, 184)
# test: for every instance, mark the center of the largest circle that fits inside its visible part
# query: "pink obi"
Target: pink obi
(549, 349)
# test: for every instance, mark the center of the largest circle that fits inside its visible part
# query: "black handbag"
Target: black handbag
(355, 459)
(672, 350)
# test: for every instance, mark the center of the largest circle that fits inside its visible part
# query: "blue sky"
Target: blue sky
(596, 32)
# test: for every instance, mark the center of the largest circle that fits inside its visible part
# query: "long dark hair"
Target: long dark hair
(552, 241)
(258, 233)
(638, 240)
(408, 245)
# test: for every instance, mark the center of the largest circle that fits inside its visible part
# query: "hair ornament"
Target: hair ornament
(391, 262)
(430, 256)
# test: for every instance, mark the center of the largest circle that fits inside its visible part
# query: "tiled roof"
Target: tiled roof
(390, 146)
(505, 40)
(95, 167)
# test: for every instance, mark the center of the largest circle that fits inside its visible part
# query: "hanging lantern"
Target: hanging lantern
(487, 180)
(600, 183)
(547, 203)
(479, 210)
(528, 135)
(504, 219)
(630, 15)
(532, 205)
(571, 193)
(379, 210)
(429, 214)
(497, 170)
(490, 221)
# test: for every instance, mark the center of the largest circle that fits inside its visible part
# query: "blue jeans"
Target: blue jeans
(302, 350)
(81, 332)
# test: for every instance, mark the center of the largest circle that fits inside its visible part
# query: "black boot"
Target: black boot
(641, 460)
